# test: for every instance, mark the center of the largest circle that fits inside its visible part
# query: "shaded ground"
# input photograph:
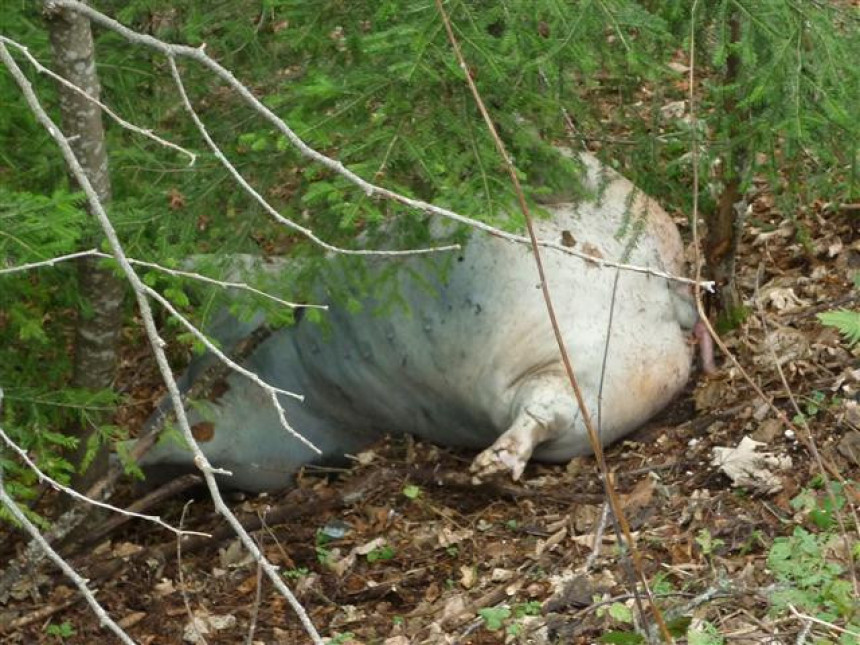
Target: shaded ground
(402, 548)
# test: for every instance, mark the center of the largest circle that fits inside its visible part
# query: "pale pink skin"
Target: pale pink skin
(706, 347)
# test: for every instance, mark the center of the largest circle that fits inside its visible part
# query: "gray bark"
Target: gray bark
(98, 326)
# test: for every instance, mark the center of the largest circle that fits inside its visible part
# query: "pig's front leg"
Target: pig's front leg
(545, 412)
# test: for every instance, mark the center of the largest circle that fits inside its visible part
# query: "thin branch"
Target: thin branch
(599, 530)
(253, 377)
(271, 210)
(181, 575)
(258, 592)
(593, 436)
(36, 536)
(48, 263)
(269, 389)
(199, 55)
(227, 284)
(823, 623)
(73, 493)
(155, 340)
(122, 122)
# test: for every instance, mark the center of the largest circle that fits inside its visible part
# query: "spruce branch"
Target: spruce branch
(199, 55)
(104, 108)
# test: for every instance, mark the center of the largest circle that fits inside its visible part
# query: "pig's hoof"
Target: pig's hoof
(503, 456)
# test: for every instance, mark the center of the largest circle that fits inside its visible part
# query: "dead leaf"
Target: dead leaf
(640, 496)
(448, 536)
(783, 299)
(365, 458)
(550, 543)
(367, 547)
(849, 446)
(204, 623)
(468, 576)
(769, 430)
(164, 587)
(711, 393)
(589, 249)
(396, 640)
(132, 619)
(234, 556)
(454, 608)
(126, 549)
(750, 469)
(673, 110)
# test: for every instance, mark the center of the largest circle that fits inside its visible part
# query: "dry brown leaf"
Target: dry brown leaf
(750, 469)
(468, 576)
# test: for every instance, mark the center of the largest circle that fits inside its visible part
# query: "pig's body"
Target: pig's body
(478, 366)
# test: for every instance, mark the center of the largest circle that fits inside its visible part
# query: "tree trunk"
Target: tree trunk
(723, 234)
(101, 293)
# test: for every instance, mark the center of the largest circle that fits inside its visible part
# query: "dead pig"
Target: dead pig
(477, 366)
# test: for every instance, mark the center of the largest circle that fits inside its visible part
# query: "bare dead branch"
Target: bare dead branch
(181, 575)
(593, 435)
(269, 389)
(240, 179)
(227, 284)
(48, 263)
(155, 340)
(153, 498)
(104, 108)
(83, 498)
(33, 531)
(258, 588)
(823, 623)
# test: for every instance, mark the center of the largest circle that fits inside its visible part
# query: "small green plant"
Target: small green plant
(60, 631)
(661, 584)
(531, 608)
(323, 555)
(494, 617)
(810, 581)
(452, 551)
(820, 506)
(617, 611)
(411, 491)
(340, 639)
(812, 405)
(386, 552)
(520, 611)
(296, 574)
(847, 322)
(323, 552)
(704, 633)
(707, 543)
(509, 618)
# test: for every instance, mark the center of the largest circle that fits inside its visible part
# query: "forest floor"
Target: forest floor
(403, 548)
